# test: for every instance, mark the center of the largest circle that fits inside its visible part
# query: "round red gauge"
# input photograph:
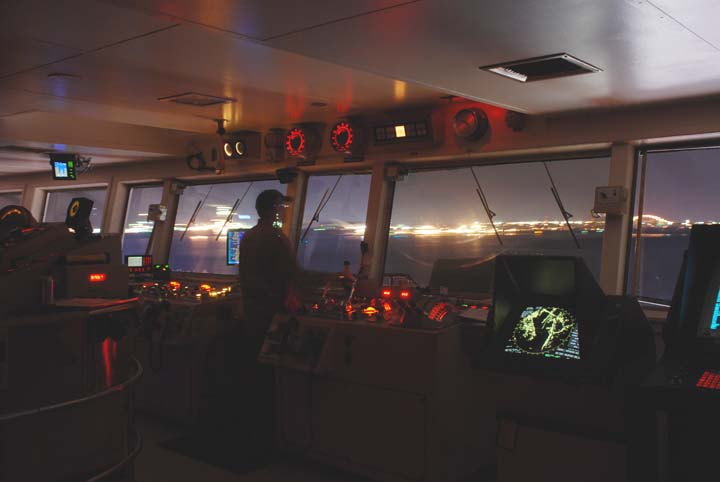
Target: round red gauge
(295, 142)
(342, 137)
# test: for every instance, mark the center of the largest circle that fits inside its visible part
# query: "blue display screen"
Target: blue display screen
(234, 236)
(715, 320)
(64, 170)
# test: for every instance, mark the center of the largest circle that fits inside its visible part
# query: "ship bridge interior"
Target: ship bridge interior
(386, 240)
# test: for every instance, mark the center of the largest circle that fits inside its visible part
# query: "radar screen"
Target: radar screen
(547, 331)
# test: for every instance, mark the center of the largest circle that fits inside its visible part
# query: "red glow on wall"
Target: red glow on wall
(109, 351)
(97, 277)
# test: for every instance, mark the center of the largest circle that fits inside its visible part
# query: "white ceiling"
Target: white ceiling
(277, 57)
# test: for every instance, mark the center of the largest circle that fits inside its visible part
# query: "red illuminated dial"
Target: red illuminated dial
(342, 137)
(295, 142)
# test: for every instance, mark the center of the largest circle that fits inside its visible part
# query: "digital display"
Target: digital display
(63, 169)
(402, 131)
(545, 331)
(234, 236)
(139, 263)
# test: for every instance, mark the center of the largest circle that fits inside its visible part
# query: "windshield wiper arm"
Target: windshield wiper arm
(490, 214)
(321, 205)
(565, 214)
(237, 204)
(194, 214)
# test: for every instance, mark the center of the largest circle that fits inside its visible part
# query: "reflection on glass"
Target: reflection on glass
(335, 236)
(137, 229)
(57, 202)
(9, 198)
(438, 214)
(198, 250)
(680, 190)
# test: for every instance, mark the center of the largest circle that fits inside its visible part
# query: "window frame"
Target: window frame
(654, 148)
(255, 177)
(48, 191)
(130, 187)
(493, 161)
(349, 170)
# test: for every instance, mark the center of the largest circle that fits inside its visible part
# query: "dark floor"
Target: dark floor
(158, 464)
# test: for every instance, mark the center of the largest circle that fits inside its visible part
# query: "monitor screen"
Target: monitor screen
(233, 245)
(545, 331)
(709, 325)
(134, 261)
(63, 167)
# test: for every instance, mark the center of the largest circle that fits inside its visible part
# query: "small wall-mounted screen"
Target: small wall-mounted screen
(63, 167)
(234, 236)
(546, 331)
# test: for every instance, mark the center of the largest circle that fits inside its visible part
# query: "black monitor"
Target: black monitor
(546, 311)
(693, 325)
(234, 236)
(63, 166)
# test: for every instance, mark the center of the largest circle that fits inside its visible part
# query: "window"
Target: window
(57, 202)
(680, 190)
(10, 198)
(439, 215)
(198, 250)
(335, 234)
(137, 229)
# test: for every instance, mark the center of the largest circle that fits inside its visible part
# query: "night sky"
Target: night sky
(516, 192)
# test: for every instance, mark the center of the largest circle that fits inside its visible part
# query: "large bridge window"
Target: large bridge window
(439, 214)
(10, 198)
(196, 247)
(137, 229)
(680, 190)
(57, 202)
(334, 222)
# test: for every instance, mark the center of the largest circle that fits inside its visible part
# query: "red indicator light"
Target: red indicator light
(174, 285)
(97, 277)
(295, 142)
(342, 137)
(404, 294)
(386, 293)
(485, 307)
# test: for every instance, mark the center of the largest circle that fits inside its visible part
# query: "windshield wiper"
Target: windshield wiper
(194, 214)
(321, 205)
(565, 214)
(490, 214)
(238, 201)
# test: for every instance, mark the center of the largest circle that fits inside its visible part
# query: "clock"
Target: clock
(470, 124)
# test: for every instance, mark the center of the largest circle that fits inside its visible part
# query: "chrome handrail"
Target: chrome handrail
(131, 456)
(95, 396)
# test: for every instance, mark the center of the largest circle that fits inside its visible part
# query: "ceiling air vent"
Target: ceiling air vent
(198, 100)
(541, 68)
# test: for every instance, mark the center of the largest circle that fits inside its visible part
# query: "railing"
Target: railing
(126, 385)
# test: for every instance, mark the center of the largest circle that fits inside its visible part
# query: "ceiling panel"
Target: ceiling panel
(262, 19)
(644, 54)
(700, 16)
(272, 87)
(76, 24)
(18, 56)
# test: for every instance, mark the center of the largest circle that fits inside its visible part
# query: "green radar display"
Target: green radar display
(547, 331)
